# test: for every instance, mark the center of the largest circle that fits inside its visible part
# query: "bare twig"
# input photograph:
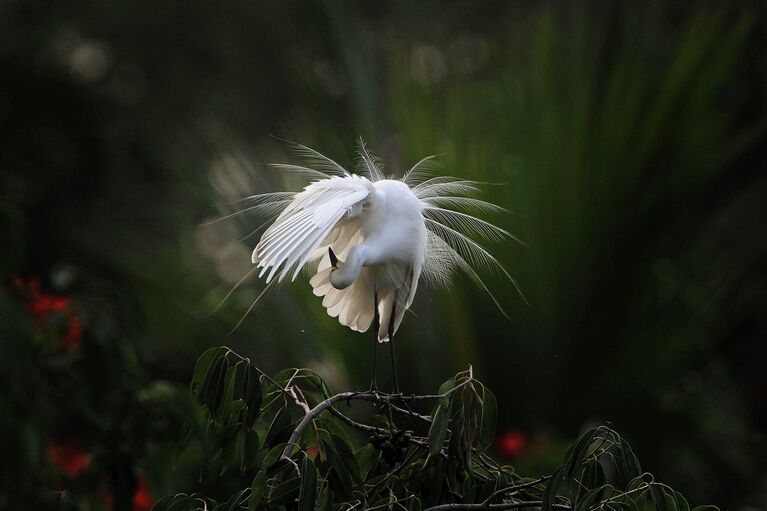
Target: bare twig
(423, 418)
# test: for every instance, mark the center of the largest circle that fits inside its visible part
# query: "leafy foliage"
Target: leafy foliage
(288, 436)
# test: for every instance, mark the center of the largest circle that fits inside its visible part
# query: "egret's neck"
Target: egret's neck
(348, 273)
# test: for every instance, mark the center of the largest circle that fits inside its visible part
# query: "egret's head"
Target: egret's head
(340, 277)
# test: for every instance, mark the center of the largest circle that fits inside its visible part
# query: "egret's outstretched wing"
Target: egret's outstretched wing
(307, 221)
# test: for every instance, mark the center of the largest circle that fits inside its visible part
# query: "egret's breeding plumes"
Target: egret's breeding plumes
(374, 237)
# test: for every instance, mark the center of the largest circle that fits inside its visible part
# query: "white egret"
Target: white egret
(374, 237)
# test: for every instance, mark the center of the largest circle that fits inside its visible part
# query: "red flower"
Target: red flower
(71, 338)
(142, 501)
(68, 457)
(44, 307)
(45, 304)
(511, 443)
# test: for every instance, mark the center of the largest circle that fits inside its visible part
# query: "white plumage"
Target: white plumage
(386, 234)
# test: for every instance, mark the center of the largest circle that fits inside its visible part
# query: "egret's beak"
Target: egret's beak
(333, 258)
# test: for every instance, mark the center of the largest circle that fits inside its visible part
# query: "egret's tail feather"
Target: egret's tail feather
(353, 306)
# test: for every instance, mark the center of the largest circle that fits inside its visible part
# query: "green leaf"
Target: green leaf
(285, 492)
(339, 476)
(281, 466)
(180, 502)
(258, 490)
(552, 490)
(628, 467)
(319, 384)
(489, 420)
(577, 453)
(273, 455)
(201, 368)
(280, 422)
(250, 449)
(438, 431)
(415, 504)
(367, 457)
(334, 426)
(445, 388)
(235, 501)
(639, 481)
(286, 375)
(345, 453)
(231, 444)
(253, 395)
(213, 384)
(324, 497)
(224, 405)
(597, 495)
(681, 502)
(630, 503)
(659, 497)
(308, 492)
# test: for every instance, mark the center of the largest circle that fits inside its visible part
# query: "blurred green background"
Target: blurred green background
(629, 141)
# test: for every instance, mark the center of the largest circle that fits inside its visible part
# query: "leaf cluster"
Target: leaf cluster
(290, 437)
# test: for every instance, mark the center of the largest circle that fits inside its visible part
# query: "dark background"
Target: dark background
(628, 138)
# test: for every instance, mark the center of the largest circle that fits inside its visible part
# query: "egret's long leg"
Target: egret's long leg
(391, 345)
(376, 325)
(397, 391)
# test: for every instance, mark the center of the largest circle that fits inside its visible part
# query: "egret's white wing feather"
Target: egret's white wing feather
(308, 220)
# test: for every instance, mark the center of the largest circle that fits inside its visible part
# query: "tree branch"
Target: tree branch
(362, 396)
(372, 429)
